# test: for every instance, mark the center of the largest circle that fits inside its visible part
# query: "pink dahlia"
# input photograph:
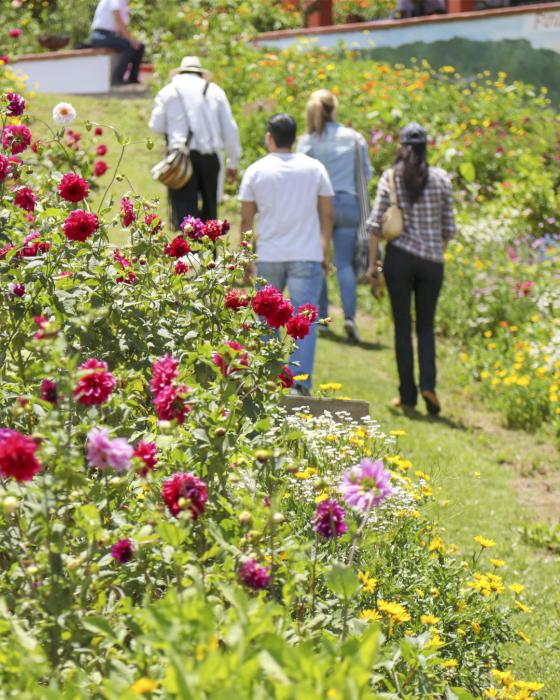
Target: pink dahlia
(185, 491)
(103, 452)
(366, 485)
(253, 575)
(32, 246)
(127, 212)
(122, 551)
(25, 199)
(15, 138)
(146, 451)
(164, 371)
(80, 225)
(16, 289)
(329, 519)
(16, 104)
(17, 455)
(95, 386)
(73, 188)
(4, 167)
(101, 150)
(170, 403)
(231, 360)
(192, 228)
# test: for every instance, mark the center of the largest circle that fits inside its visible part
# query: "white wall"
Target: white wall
(74, 75)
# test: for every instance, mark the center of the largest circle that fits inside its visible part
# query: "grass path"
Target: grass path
(477, 490)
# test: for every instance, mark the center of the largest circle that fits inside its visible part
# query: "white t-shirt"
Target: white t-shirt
(103, 17)
(285, 187)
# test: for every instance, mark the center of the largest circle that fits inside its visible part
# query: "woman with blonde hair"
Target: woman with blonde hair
(344, 153)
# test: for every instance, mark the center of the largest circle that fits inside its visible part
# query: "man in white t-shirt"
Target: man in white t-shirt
(109, 29)
(292, 195)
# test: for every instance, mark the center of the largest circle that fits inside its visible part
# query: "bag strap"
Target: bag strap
(361, 190)
(392, 187)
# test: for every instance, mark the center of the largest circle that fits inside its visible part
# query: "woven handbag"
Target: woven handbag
(175, 170)
(392, 221)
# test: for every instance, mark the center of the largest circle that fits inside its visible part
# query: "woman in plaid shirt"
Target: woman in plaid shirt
(414, 260)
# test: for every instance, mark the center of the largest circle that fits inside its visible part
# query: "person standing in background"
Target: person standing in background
(292, 195)
(342, 151)
(414, 261)
(110, 29)
(193, 108)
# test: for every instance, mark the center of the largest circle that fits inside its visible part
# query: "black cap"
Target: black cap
(413, 133)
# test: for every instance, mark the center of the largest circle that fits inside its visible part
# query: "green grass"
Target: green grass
(468, 453)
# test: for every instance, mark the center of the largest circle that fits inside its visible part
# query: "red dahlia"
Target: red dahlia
(182, 491)
(32, 246)
(231, 360)
(310, 311)
(236, 299)
(17, 455)
(122, 551)
(80, 225)
(100, 167)
(73, 188)
(146, 451)
(101, 150)
(286, 377)
(213, 228)
(298, 326)
(25, 199)
(127, 212)
(177, 248)
(95, 387)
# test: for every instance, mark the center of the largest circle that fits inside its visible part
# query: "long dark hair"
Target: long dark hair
(412, 166)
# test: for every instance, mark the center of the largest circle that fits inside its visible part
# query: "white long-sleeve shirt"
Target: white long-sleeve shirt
(181, 105)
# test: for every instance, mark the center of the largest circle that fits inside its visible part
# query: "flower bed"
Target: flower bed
(168, 530)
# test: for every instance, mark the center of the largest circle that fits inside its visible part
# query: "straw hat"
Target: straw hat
(191, 64)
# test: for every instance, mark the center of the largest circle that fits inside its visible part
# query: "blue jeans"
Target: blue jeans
(128, 54)
(346, 209)
(304, 280)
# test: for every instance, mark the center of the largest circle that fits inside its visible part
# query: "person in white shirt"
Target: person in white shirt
(292, 195)
(110, 29)
(192, 108)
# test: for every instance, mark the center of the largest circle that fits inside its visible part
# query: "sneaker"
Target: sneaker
(352, 330)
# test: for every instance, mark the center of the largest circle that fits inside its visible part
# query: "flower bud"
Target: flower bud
(245, 517)
(262, 456)
(32, 570)
(9, 505)
(211, 265)
(278, 518)
(220, 432)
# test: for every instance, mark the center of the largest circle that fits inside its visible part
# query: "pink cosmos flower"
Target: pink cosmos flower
(103, 452)
(366, 485)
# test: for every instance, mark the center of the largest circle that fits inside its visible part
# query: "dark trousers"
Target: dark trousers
(128, 54)
(202, 186)
(407, 275)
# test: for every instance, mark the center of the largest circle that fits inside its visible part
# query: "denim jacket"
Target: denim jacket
(336, 149)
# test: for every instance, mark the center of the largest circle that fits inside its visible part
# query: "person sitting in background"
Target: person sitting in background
(110, 29)
(193, 108)
(342, 151)
(293, 195)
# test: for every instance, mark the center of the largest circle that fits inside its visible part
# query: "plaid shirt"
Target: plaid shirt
(427, 224)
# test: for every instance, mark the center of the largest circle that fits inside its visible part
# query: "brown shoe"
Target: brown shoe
(404, 407)
(433, 405)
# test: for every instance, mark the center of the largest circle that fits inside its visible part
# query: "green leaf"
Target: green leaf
(342, 580)
(99, 625)
(468, 171)
(272, 668)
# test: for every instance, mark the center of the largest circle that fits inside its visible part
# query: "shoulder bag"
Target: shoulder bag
(392, 221)
(175, 170)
